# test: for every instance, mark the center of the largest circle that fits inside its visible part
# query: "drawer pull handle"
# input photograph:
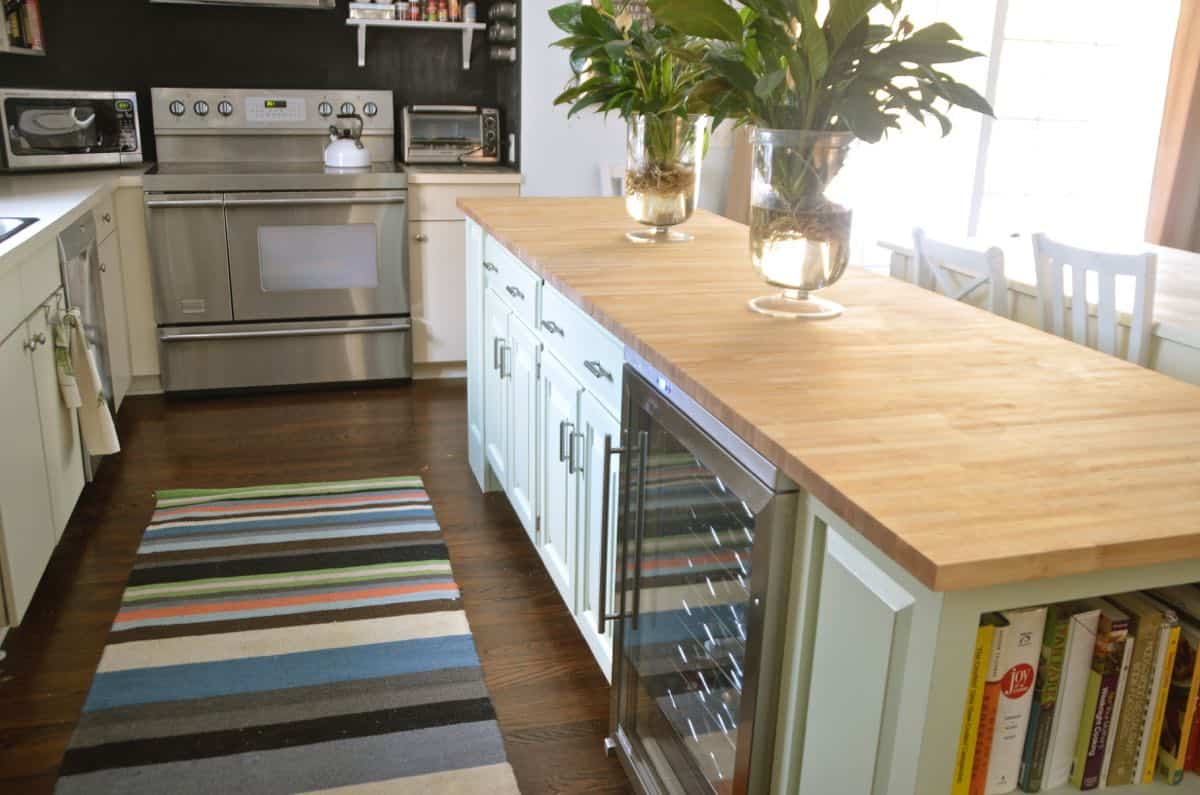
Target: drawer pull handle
(514, 292)
(553, 328)
(597, 369)
(487, 266)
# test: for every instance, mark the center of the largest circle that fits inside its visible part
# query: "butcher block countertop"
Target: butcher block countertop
(970, 449)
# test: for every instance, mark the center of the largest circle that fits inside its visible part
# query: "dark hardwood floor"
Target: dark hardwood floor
(550, 696)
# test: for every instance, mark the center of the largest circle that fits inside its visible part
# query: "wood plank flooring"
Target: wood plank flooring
(550, 697)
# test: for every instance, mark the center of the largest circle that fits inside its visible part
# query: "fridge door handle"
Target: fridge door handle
(602, 616)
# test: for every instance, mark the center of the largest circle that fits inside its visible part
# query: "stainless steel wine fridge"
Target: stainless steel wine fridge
(705, 530)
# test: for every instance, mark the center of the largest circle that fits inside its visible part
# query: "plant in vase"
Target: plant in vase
(648, 74)
(810, 87)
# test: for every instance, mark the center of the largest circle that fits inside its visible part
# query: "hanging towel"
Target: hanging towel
(95, 420)
(67, 385)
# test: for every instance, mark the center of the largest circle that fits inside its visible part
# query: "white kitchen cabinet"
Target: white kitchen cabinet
(26, 517)
(595, 425)
(59, 426)
(558, 480)
(139, 282)
(521, 375)
(495, 393)
(437, 284)
(116, 320)
(473, 246)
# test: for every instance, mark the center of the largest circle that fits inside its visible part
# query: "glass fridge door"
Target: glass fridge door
(691, 632)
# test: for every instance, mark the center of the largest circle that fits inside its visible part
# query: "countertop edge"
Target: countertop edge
(888, 542)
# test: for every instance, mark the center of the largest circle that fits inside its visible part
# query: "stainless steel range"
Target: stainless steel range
(271, 269)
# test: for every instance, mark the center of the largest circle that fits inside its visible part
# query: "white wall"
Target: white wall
(558, 157)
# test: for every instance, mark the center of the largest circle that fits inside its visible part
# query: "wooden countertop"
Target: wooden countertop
(971, 449)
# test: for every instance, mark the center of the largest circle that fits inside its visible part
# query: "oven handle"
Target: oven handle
(326, 200)
(156, 203)
(167, 335)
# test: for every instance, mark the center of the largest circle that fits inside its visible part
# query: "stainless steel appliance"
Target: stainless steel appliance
(270, 268)
(704, 543)
(451, 134)
(68, 129)
(79, 258)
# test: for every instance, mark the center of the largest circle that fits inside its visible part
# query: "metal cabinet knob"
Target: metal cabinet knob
(29, 345)
(103, 267)
(39, 338)
(421, 237)
(107, 218)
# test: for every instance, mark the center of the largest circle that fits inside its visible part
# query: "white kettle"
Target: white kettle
(345, 148)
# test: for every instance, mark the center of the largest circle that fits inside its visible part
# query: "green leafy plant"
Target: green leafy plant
(625, 64)
(776, 65)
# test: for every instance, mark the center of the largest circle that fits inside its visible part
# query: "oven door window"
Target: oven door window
(62, 126)
(444, 133)
(298, 258)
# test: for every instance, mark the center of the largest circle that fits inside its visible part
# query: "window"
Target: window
(1078, 88)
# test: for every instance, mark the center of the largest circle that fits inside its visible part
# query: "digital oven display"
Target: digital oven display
(275, 103)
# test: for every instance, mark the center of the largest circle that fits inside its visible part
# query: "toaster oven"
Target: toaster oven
(451, 134)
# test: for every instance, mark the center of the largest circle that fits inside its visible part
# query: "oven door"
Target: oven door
(62, 129)
(317, 254)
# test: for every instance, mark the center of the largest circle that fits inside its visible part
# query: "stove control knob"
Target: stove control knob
(201, 108)
(370, 108)
(225, 107)
(325, 109)
(177, 108)
(347, 107)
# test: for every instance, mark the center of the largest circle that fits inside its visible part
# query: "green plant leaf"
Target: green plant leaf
(616, 49)
(595, 22)
(921, 51)
(843, 16)
(965, 96)
(938, 31)
(861, 115)
(707, 19)
(816, 49)
(766, 85)
(566, 17)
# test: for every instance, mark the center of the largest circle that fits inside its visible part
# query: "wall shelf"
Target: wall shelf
(467, 28)
(10, 50)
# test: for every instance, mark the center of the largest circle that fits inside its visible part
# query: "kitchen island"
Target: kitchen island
(950, 463)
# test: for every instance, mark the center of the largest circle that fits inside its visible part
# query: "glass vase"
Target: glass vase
(799, 238)
(662, 174)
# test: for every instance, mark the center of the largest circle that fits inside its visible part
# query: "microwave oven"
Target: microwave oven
(451, 134)
(68, 129)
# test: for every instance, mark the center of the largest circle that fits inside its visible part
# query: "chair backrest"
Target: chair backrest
(937, 261)
(612, 179)
(1053, 258)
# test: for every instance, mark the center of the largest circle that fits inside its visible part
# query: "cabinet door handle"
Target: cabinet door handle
(563, 434)
(602, 616)
(29, 345)
(514, 292)
(553, 328)
(597, 369)
(421, 237)
(103, 267)
(573, 467)
(487, 266)
(496, 352)
(505, 350)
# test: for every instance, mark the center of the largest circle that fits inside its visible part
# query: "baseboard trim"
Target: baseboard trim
(430, 372)
(145, 385)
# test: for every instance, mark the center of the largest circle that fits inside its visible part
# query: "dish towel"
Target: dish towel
(95, 420)
(67, 385)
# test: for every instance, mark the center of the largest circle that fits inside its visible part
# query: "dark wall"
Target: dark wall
(133, 44)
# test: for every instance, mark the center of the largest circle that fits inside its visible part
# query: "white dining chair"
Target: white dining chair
(943, 267)
(1053, 258)
(612, 179)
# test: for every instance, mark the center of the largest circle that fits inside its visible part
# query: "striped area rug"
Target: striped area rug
(283, 639)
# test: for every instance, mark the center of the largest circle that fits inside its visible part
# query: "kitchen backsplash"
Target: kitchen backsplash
(133, 44)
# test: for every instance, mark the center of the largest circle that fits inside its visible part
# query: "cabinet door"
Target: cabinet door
(557, 483)
(437, 281)
(495, 397)
(26, 526)
(116, 322)
(60, 429)
(521, 374)
(473, 246)
(595, 423)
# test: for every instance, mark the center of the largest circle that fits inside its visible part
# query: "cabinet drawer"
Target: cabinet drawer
(439, 202)
(106, 219)
(594, 356)
(512, 281)
(40, 276)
